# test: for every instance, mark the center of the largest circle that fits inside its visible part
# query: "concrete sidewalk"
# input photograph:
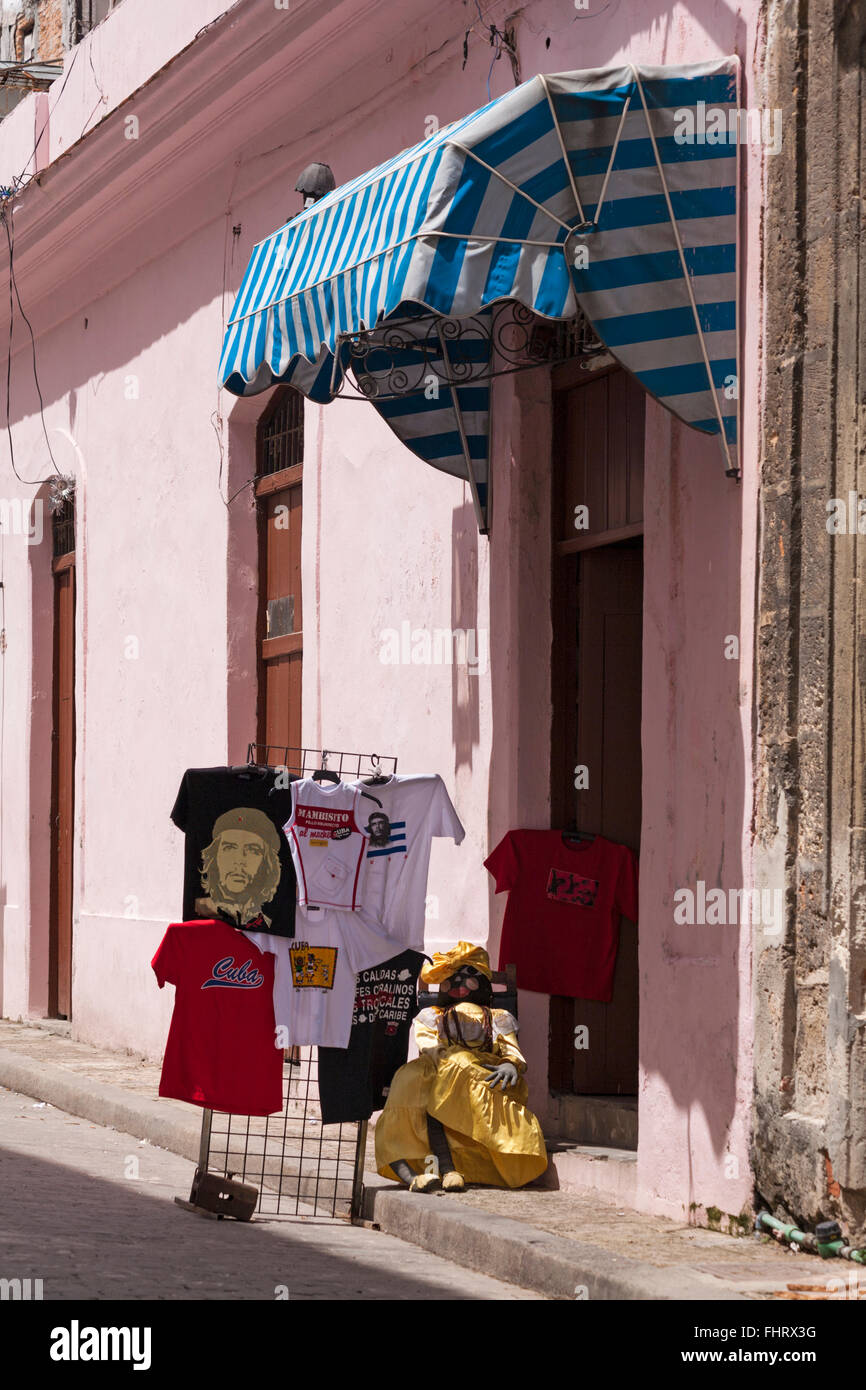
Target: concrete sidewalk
(560, 1244)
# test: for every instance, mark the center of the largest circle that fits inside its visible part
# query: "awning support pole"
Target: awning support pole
(497, 173)
(603, 194)
(578, 204)
(458, 414)
(567, 162)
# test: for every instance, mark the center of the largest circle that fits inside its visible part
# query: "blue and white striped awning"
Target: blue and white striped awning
(612, 190)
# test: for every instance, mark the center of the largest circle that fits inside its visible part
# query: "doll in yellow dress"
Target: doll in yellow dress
(458, 1113)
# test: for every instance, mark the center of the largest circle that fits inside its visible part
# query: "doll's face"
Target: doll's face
(465, 984)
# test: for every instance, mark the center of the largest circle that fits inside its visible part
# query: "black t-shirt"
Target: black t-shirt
(237, 866)
(354, 1080)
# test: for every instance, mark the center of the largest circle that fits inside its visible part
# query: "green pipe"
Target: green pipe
(827, 1249)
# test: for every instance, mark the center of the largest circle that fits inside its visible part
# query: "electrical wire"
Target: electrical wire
(498, 42)
(103, 99)
(13, 285)
(19, 180)
(10, 236)
(18, 183)
(38, 481)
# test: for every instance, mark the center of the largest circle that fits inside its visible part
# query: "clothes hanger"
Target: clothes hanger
(322, 773)
(252, 768)
(379, 777)
(571, 835)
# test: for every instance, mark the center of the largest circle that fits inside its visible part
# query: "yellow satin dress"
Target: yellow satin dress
(494, 1138)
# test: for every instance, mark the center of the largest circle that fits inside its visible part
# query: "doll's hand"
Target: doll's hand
(505, 1074)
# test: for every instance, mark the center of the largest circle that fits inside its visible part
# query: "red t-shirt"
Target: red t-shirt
(561, 925)
(221, 1051)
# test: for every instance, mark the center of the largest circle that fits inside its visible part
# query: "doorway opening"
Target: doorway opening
(597, 594)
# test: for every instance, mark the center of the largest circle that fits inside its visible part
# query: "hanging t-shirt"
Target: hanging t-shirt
(221, 1051)
(354, 1081)
(397, 860)
(561, 925)
(237, 863)
(314, 976)
(327, 843)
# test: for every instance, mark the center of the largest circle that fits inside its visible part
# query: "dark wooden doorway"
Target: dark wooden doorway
(62, 764)
(597, 622)
(279, 490)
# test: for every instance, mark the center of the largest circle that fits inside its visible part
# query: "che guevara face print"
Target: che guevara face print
(240, 870)
(379, 827)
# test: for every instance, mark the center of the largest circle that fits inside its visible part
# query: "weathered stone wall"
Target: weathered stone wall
(47, 20)
(49, 30)
(810, 1048)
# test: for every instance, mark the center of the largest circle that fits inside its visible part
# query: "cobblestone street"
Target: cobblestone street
(90, 1212)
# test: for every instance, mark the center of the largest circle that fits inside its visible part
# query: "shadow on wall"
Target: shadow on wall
(469, 647)
(696, 793)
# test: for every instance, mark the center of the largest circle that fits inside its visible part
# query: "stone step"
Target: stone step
(610, 1172)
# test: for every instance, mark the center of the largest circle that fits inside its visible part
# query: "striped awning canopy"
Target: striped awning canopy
(608, 192)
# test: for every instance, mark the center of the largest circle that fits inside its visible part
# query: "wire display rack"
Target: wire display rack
(300, 1168)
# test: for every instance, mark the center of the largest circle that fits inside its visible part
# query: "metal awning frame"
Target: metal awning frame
(536, 342)
(512, 339)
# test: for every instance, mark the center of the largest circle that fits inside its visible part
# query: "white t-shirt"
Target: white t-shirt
(327, 843)
(314, 974)
(397, 860)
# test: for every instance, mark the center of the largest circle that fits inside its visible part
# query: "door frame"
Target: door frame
(60, 947)
(284, 480)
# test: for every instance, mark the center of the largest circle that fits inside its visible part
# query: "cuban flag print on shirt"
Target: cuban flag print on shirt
(396, 841)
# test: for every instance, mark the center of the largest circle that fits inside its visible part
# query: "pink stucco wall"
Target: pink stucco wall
(127, 265)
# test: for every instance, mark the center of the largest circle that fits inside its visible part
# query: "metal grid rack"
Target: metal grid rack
(303, 761)
(302, 1168)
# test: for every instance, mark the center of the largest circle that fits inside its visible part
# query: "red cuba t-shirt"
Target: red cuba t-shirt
(561, 925)
(221, 1051)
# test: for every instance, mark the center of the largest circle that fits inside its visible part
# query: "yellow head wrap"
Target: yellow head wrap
(446, 962)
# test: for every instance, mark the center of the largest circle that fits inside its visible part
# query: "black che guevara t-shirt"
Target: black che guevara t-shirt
(354, 1081)
(237, 864)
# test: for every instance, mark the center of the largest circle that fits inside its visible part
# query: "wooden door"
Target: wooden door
(279, 489)
(63, 789)
(598, 619)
